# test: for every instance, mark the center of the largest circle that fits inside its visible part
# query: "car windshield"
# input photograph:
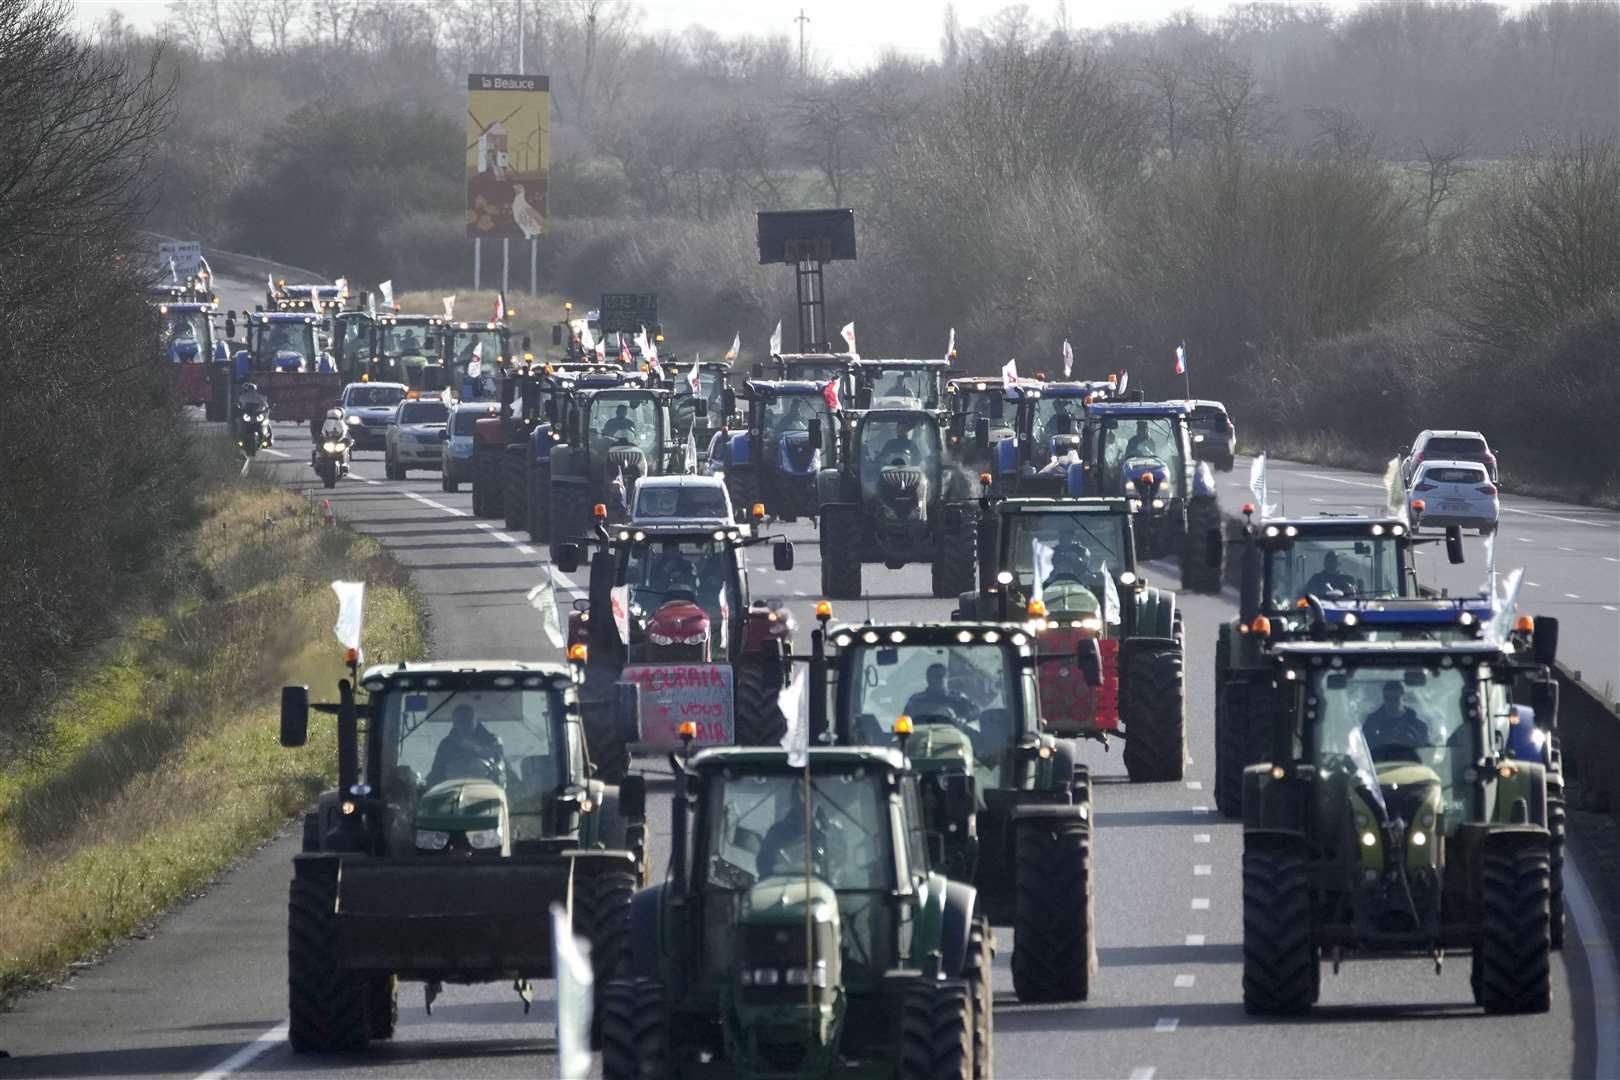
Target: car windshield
(756, 829)
(1138, 440)
(1079, 546)
(697, 571)
(793, 412)
(684, 501)
(903, 442)
(409, 340)
(619, 421)
(1336, 568)
(367, 396)
(424, 412)
(1393, 734)
(506, 736)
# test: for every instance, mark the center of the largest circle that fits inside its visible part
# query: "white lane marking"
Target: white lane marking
(1142, 1072)
(1203, 870)
(1600, 968)
(1166, 1023)
(1524, 540)
(1341, 480)
(1566, 549)
(1314, 499)
(425, 501)
(1610, 607)
(1195, 939)
(277, 453)
(1201, 838)
(1610, 558)
(1200, 903)
(1195, 785)
(1185, 982)
(1200, 809)
(1533, 584)
(248, 1054)
(1555, 517)
(525, 549)
(1571, 596)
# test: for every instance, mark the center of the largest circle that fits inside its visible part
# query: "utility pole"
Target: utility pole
(801, 20)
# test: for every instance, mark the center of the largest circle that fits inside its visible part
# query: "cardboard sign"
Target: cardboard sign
(187, 256)
(672, 693)
(628, 313)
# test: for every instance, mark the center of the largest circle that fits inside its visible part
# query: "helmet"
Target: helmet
(334, 414)
(249, 388)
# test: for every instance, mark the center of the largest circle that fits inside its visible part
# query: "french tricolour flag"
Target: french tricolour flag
(1181, 359)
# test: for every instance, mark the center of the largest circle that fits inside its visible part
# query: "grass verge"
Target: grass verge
(162, 764)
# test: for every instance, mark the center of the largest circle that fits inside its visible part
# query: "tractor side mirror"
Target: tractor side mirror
(1212, 547)
(1454, 548)
(230, 324)
(568, 558)
(556, 333)
(294, 715)
(1088, 658)
(444, 434)
(981, 430)
(815, 436)
(633, 795)
(1544, 640)
(959, 796)
(782, 555)
(1544, 699)
(958, 425)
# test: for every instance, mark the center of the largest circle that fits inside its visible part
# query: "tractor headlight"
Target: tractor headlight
(1158, 504)
(1368, 839)
(1419, 838)
(483, 839)
(432, 840)
(1130, 486)
(814, 976)
(759, 977)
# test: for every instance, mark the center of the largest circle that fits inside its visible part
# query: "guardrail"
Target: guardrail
(235, 264)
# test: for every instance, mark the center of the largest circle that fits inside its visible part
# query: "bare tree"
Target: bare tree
(1445, 161)
(1231, 108)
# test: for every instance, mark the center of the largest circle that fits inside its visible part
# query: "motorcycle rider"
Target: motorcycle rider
(250, 402)
(333, 429)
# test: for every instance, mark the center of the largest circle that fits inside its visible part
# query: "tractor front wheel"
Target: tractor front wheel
(1281, 964)
(936, 1031)
(635, 1030)
(840, 541)
(602, 916)
(1155, 715)
(759, 718)
(326, 1005)
(1198, 574)
(956, 559)
(978, 975)
(515, 489)
(1054, 950)
(1512, 953)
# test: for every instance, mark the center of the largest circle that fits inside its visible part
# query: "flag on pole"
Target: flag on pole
(387, 290)
(449, 303)
(1040, 567)
(571, 960)
(849, 336)
(950, 346)
(794, 701)
(692, 381)
(1009, 373)
(1110, 598)
(174, 274)
(1257, 484)
(270, 283)
(736, 348)
(1181, 359)
(620, 602)
(351, 615)
(371, 306)
(691, 450)
(830, 392)
(543, 598)
(475, 366)
(776, 339)
(1068, 359)
(587, 340)
(1124, 381)
(500, 307)
(601, 349)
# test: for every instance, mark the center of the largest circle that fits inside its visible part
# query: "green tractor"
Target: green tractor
(1008, 804)
(607, 440)
(896, 496)
(1390, 818)
(464, 807)
(1069, 564)
(777, 948)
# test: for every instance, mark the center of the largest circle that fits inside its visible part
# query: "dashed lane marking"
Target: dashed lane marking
(1342, 480)
(1200, 903)
(1142, 1072)
(247, 1054)
(276, 453)
(1201, 838)
(1571, 596)
(1203, 870)
(1200, 809)
(1555, 517)
(1195, 939)
(425, 501)
(1185, 982)
(1166, 1023)
(1195, 785)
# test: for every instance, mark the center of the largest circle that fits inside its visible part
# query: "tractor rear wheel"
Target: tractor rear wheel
(759, 719)
(936, 1031)
(604, 742)
(1557, 826)
(1198, 574)
(1154, 711)
(326, 1005)
(1512, 954)
(602, 916)
(635, 1030)
(744, 487)
(515, 495)
(1054, 950)
(1281, 964)
(1228, 731)
(382, 1005)
(539, 523)
(956, 559)
(840, 540)
(979, 977)
(487, 483)
(570, 515)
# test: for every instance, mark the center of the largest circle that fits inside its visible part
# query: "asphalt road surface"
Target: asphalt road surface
(205, 994)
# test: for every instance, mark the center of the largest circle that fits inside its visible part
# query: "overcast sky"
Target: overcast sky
(847, 33)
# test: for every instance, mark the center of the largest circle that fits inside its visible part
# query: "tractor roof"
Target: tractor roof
(170, 309)
(454, 672)
(1424, 651)
(974, 384)
(783, 388)
(1041, 389)
(1143, 409)
(814, 357)
(1356, 525)
(1008, 635)
(282, 317)
(903, 364)
(477, 326)
(1469, 613)
(1089, 505)
(890, 412)
(821, 758)
(408, 320)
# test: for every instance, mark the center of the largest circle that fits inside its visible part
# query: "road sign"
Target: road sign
(628, 312)
(187, 256)
(508, 155)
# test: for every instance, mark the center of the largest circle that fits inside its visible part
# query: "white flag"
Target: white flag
(692, 381)
(736, 347)
(543, 598)
(371, 306)
(849, 336)
(342, 284)
(351, 614)
(475, 367)
(571, 960)
(1068, 359)
(270, 283)
(691, 450)
(794, 701)
(601, 349)
(776, 339)
(449, 308)
(1124, 381)
(1110, 598)
(174, 275)
(1257, 483)
(387, 290)
(950, 346)
(587, 340)
(1040, 567)
(621, 611)
(725, 616)
(1009, 373)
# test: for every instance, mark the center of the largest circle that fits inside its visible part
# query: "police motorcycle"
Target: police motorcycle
(330, 456)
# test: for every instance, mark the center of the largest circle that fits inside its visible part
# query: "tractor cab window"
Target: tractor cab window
(490, 346)
(189, 337)
(909, 442)
(1074, 556)
(916, 387)
(616, 421)
(784, 413)
(989, 403)
(699, 572)
(508, 737)
(1132, 444)
(1056, 416)
(969, 687)
(820, 372)
(286, 346)
(1336, 568)
(355, 336)
(394, 339)
(1391, 743)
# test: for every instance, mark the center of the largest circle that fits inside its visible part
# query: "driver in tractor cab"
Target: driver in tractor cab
(674, 573)
(783, 849)
(1061, 422)
(333, 429)
(1394, 723)
(796, 418)
(1328, 581)
(899, 386)
(619, 426)
(937, 697)
(1070, 559)
(469, 752)
(408, 345)
(1141, 444)
(901, 449)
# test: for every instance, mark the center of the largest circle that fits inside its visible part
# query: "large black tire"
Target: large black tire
(488, 483)
(936, 1031)
(978, 975)
(1281, 964)
(635, 1030)
(759, 717)
(1197, 573)
(1512, 954)
(326, 1006)
(956, 559)
(1155, 715)
(1054, 949)
(447, 480)
(570, 515)
(539, 523)
(382, 1005)
(605, 742)
(602, 916)
(1557, 828)
(480, 493)
(515, 494)
(840, 541)
(1229, 734)
(744, 488)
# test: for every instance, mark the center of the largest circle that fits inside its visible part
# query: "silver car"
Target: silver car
(1447, 444)
(415, 439)
(1457, 493)
(456, 460)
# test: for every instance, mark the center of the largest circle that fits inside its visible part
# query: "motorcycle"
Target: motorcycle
(332, 461)
(253, 429)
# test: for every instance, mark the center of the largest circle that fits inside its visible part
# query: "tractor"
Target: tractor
(476, 355)
(1069, 566)
(970, 400)
(1008, 804)
(464, 807)
(407, 349)
(668, 610)
(194, 357)
(286, 356)
(772, 459)
(895, 496)
(1389, 817)
(712, 391)
(900, 384)
(802, 930)
(819, 368)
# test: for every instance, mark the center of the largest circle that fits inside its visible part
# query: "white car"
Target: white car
(368, 409)
(1457, 493)
(456, 450)
(416, 439)
(1447, 445)
(683, 500)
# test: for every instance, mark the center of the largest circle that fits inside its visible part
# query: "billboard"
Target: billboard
(508, 155)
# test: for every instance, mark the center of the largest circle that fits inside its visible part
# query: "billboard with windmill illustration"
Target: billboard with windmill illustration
(508, 155)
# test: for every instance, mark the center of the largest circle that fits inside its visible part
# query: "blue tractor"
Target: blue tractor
(774, 459)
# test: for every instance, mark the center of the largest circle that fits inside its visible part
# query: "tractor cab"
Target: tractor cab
(476, 354)
(1042, 453)
(711, 390)
(407, 349)
(819, 368)
(979, 414)
(900, 384)
(188, 333)
(776, 456)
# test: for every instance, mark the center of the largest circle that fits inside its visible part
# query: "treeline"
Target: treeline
(95, 483)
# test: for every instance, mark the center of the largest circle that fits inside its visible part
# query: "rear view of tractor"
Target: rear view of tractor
(464, 808)
(802, 931)
(896, 497)
(1069, 566)
(774, 459)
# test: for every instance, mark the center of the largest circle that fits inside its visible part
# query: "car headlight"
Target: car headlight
(483, 839)
(351, 419)
(432, 840)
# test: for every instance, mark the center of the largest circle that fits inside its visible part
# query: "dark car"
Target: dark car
(1213, 438)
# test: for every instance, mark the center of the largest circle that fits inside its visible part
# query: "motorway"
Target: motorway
(205, 994)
